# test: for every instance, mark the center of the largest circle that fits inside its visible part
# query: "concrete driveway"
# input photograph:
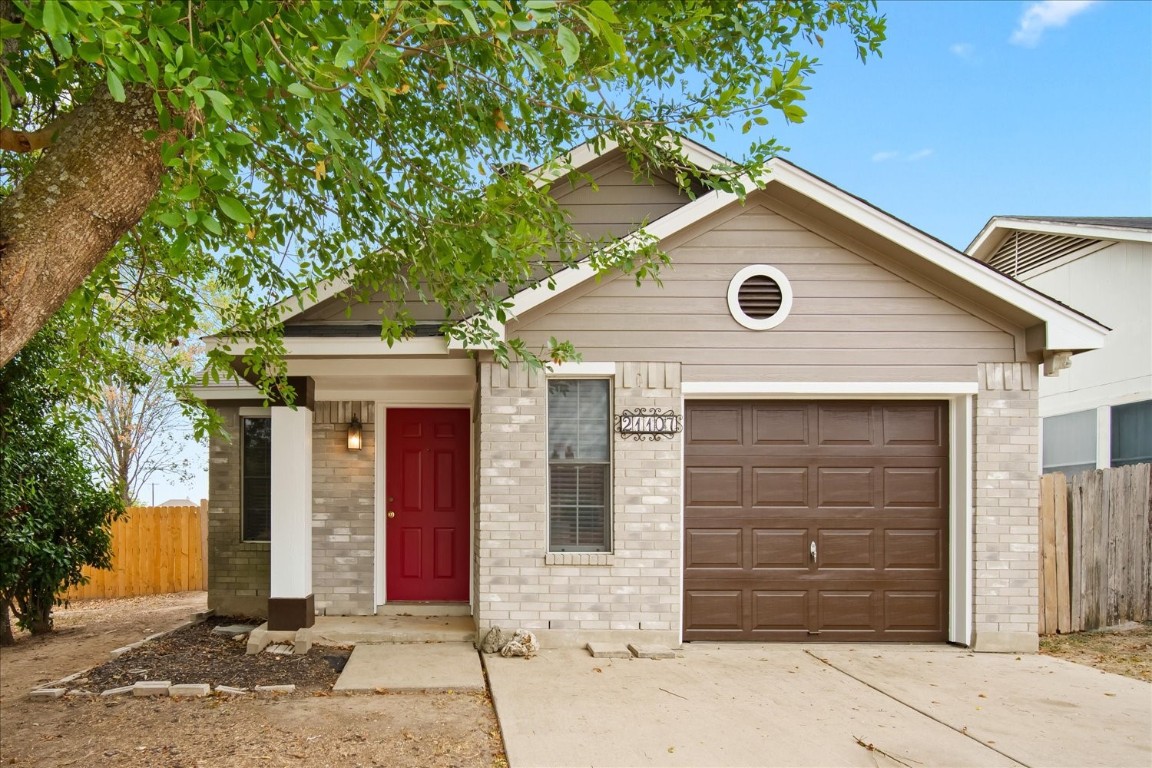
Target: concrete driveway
(818, 705)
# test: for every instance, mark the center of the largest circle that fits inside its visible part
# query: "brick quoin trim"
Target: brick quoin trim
(1006, 499)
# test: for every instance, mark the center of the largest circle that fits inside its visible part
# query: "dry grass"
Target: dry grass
(1123, 650)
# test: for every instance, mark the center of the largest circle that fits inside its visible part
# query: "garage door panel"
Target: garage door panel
(913, 487)
(916, 611)
(781, 549)
(844, 425)
(845, 486)
(913, 426)
(780, 609)
(780, 426)
(779, 487)
(865, 481)
(717, 424)
(845, 609)
(846, 549)
(911, 549)
(714, 486)
(714, 610)
(714, 548)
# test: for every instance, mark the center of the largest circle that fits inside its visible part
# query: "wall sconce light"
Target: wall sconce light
(355, 433)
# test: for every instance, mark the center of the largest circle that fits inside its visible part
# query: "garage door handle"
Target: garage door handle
(812, 549)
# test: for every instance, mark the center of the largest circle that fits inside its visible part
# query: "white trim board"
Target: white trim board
(792, 389)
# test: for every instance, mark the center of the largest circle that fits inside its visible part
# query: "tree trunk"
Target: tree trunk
(86, 190)
(39, 617)
(6, 636)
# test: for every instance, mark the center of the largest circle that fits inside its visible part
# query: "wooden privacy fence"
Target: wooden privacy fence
(1096, 549)
(155, 550)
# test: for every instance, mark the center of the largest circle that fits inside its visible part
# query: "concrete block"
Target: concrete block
(1006, 642)
(609, 651)
(230, 691)
(234, 629)
(303, 642)
(649, 651)
(151, 688)
(118, 652)
(190, 690)
(275, 689)
(257, 640)
(117, 691)
(47, 694)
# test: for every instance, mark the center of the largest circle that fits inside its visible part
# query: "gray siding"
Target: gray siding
(613, 202)
(852, 318)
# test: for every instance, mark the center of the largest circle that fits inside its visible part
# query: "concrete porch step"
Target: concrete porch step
(424, 609)
(350, 630)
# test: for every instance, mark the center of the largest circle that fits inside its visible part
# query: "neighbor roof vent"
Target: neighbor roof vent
(759, 297)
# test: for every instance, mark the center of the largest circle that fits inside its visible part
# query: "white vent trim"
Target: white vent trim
(759, 270)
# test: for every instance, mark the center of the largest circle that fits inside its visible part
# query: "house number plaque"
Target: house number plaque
(648, 423)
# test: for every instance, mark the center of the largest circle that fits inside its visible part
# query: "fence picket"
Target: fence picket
(154, 550)
(1102, 554)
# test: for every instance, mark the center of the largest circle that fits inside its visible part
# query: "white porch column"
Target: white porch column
(291, 604)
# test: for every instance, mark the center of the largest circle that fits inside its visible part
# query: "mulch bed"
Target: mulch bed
(196, 655)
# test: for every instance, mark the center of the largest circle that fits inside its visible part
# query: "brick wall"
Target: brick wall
(238, 572)
(343, 510)
(569, 598)
(1006, 497)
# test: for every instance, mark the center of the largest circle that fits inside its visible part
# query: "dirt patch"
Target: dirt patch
(306, 728)
(198, 655)
(1125, 650)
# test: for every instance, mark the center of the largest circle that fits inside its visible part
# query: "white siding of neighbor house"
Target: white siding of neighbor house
(852, 318)
(1114, 286)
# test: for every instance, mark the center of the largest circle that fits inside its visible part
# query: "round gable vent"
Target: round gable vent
(759, 297)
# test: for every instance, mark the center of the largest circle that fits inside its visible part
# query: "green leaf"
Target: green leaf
(5, 107)
(209, 223)
(220, 104)
(602, 10)
(170, 219)
(55, 23)
(234, 209)
(188, 192)
(301, 90)
(115, 87)
(569, 45)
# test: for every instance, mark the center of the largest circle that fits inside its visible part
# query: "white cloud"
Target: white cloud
(907, 157)
(962, 50)
(1043, 15)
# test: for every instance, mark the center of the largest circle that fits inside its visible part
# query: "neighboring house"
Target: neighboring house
(178, 503)
(857, 459)
(1098, 413)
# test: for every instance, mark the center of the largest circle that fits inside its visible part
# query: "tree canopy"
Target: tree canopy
(157, 150)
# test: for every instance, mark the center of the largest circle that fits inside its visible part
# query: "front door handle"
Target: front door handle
(812, 551)
(393, 514)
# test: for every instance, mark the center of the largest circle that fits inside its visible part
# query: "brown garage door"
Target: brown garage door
(821, 520)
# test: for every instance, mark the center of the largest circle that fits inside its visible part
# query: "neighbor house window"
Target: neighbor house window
(256, 479)
(1132, 433)
(1070, 443)
(579, 466)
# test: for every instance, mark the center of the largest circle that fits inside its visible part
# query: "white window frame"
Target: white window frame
(575, 372)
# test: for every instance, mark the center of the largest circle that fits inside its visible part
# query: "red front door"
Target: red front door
(426, 502)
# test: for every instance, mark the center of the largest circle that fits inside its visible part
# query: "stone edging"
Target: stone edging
(59, 689)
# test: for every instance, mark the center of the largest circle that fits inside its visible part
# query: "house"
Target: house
(822, 426)
(1098, 414)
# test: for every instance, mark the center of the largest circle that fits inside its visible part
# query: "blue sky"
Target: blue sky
(984, 108)
(975, 109)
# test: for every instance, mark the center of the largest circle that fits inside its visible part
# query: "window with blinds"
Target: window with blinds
(579, 465)
(256, 479)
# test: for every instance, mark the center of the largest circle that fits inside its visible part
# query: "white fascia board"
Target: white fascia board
(1066, 329)
(990, 236)
(578, 157)
(582, 369)
(877, 389)
(227, 390)
(347, 346)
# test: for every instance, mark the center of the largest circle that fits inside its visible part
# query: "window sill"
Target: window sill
(579, 558)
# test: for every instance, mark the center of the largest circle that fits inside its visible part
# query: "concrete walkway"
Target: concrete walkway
(412, 667)
(784, 705)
